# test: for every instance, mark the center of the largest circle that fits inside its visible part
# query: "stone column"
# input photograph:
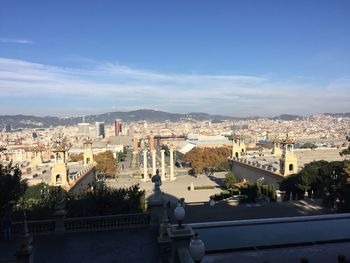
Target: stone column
(60, 215)
(163, 164)
(145, 174)
(24, 253)
(180, 237)
(154, 165)
(172, 175)
(155, 204)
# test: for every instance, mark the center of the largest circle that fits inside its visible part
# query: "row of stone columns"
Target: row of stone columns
(154, 165)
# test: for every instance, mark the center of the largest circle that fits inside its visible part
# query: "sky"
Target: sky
(237, 58)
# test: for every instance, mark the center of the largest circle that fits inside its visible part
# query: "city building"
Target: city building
(100, 129)
(83, 128)
(118, 127)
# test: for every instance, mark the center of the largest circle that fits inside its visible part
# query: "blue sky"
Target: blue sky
(238, 58)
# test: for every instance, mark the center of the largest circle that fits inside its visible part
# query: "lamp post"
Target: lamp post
(197, 248)
(334, 177)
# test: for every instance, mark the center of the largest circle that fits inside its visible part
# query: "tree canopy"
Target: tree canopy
(12, 188)
(308, 145)
(201, 158)
(345, 152)
(106, 163)
(230, 180)
(327, 180)
(40, 201)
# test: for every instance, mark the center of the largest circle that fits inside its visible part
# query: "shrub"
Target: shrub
(230, 180)
(100, 201)
(249, 190)
(204, 187)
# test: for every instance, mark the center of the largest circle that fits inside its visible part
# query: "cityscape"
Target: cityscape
(133, 132)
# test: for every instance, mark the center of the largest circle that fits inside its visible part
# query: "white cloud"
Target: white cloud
(16, 41)
(238, 95)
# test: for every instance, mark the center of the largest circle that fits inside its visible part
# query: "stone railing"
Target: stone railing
(83, 171)
(35, 227)
(96, 223)
(107, 222)
(269, 169)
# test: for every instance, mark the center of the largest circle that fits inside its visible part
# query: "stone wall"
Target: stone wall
(252, 173)
(83, 182)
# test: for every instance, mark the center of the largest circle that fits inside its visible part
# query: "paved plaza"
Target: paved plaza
(198, 209)
(179, 187)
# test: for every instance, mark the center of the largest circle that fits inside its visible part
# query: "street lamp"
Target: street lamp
(334, 177)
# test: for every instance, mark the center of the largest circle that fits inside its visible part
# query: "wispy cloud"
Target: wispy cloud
(16, 41)
(127, 87)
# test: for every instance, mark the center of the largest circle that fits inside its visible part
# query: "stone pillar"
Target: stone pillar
(24, 252)
(151, 142)
(155, 208)
(145, 174)
(172, 175)
(163, 164)
(180, 237)
(154, 165)
(60, 216)
(164, 241)
(156, 203)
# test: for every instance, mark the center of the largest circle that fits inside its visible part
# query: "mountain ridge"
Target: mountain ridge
(31, 121)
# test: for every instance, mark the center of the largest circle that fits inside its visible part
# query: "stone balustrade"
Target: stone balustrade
(84, 171)
(107, 222)
(96, 223)
(35, 227)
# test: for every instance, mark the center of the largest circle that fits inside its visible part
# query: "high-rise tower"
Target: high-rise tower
(117, 127)
(100, 129)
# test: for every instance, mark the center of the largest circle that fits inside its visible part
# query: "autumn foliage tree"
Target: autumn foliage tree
(106, 163)
(201, 158)
(76, 157)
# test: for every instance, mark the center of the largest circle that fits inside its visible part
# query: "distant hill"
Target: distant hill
(29, 121)
(339, 115)
(287, 117)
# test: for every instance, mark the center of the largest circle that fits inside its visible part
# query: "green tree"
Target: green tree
(230, 180)
(318, 177)
(166, 150)
(106, 164)
(345, 152)
(308, 145)
(122, 155)
(12, 188)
